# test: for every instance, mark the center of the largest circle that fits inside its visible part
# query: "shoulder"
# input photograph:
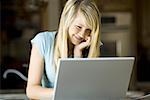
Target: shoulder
(44, 41)
(46, 35)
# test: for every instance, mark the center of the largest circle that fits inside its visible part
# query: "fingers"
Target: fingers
(85, 44)
(88, 41)
(78, 48)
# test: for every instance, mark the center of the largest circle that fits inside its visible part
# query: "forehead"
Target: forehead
(81, 20)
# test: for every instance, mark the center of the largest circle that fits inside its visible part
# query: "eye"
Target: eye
(78, 27)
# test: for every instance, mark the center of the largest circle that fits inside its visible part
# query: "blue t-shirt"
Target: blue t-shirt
(44, 41)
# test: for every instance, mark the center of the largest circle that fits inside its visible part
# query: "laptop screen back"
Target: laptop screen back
(93, 78)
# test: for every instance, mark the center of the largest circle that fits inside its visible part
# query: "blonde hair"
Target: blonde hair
(92, 15)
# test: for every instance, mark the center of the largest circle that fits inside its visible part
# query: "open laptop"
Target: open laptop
(93, 78)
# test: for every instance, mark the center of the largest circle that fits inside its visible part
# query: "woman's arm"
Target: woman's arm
(36, 67)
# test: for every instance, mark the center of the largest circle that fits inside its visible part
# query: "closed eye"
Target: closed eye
(78, 27)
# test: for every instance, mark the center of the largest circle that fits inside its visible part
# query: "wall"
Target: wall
(50, 15)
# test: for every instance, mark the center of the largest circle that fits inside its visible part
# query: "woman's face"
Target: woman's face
(79, 31)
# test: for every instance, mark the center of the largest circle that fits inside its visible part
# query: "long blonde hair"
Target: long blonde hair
(92, 15)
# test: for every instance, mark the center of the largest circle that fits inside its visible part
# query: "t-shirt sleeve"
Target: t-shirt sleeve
(39, 41)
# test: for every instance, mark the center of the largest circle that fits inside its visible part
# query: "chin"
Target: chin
(75, 43)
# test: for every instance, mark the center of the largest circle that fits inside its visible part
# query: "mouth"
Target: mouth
(78, 38)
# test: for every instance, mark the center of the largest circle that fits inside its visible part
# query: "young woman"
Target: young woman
(78, 36)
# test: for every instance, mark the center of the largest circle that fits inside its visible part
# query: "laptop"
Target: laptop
(93, 78)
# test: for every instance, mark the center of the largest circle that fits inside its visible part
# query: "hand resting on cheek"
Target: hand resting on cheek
(78, 48)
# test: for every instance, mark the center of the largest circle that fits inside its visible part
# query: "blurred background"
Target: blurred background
(125, 32)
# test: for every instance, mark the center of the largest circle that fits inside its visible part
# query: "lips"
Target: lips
(78, 37)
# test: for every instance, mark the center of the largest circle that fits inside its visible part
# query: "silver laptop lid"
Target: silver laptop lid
(93, 78)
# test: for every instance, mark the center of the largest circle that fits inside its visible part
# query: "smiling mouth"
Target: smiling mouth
(78, 38)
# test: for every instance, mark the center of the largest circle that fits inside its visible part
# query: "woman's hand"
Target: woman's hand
(78, 48)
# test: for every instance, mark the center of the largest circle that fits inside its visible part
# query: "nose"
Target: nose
(81, 33)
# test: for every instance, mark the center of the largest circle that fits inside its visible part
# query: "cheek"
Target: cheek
(88, 35)
(72, 31)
